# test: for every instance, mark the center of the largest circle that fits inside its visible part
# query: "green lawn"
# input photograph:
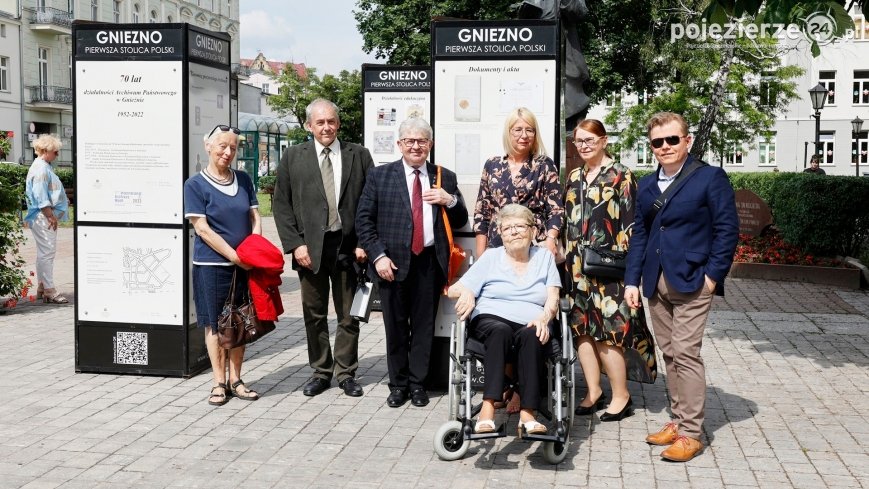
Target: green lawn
(265, 204)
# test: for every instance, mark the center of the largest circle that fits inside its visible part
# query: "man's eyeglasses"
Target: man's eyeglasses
(223, 128)
(514, 228)
(671, 140)
(423, 143)
(519, 131)
(587, 141)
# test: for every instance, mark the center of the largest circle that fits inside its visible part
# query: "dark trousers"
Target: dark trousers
(409, 309)
(315, 309)
(500, 335)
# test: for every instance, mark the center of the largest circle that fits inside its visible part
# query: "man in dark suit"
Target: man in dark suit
(682, 256)
(400, 226)
(318, 186)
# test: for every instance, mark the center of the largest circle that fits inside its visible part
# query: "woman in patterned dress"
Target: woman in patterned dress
(601, 319)
(524, 175)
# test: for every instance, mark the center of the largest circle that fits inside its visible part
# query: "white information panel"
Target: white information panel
(472, 101)
(208, 107)
(130, 142)
(392, 94)
(130, 275)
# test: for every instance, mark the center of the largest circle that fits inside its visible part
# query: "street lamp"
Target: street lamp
(857, 126)
(819, 98)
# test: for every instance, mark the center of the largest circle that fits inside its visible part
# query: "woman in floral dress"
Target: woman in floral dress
(599, 316)
(523, 175)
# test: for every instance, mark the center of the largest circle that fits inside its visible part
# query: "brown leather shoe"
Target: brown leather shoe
(683, 449)
(665, 437)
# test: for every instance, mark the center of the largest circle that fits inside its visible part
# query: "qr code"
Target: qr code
(131, 348)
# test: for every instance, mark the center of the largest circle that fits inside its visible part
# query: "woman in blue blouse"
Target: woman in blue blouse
(511, 296)
(46, 204)
(221, 205)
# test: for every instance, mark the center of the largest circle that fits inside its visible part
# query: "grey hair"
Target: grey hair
(46, 143)
(516, 211)
(415, 124)
(321, 101)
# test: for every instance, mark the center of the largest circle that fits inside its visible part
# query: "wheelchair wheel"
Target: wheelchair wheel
(555, 452)
(449, 444)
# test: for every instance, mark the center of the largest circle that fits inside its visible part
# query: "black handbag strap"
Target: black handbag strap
(230, 299)
(659, 203)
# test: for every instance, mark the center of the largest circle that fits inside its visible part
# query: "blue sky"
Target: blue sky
(320, 33)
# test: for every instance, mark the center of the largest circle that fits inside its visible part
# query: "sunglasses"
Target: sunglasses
(671, 140)
(223, 128)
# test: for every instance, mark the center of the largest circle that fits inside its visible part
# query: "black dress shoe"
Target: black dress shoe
(315, 386)
(626, 411)
(351, 388)
(419, 398)
(397, 397)
(597, 406)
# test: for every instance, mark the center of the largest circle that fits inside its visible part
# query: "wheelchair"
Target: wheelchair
(453, 438)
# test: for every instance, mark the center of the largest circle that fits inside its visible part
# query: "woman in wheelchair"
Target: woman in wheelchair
(511, 296)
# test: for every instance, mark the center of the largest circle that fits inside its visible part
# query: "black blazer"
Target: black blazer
(384, 222)
(299, 203)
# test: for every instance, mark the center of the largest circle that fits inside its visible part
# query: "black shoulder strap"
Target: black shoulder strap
(649, 218)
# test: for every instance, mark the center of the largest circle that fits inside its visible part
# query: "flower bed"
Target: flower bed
(769, 257)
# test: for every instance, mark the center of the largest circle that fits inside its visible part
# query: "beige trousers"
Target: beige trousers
(678, 321)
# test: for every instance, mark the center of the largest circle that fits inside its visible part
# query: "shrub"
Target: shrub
(267, 183)
(12, 279)
(823, 214)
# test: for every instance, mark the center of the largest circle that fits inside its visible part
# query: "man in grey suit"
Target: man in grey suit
(318, 185)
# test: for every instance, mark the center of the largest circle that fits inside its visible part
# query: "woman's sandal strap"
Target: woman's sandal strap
(250, 395)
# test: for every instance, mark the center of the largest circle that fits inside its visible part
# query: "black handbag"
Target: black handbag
(596, 261)
(238, 325)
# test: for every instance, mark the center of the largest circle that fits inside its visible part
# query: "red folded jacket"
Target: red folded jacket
(265, 276)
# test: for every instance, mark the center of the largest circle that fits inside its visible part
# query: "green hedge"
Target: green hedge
(267, 183)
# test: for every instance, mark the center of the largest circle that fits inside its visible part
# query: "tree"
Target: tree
(296, 92)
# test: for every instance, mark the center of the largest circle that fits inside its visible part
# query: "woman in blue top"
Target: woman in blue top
(511, 295)
(46, 204)
(222, 207)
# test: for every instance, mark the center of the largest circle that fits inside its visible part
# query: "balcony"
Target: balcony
(50, 20)
(51, 98)
(241, 70)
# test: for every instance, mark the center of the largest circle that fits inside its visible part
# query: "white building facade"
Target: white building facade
(42, 61)
(842, 67)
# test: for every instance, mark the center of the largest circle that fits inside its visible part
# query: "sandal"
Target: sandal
(248, 395)
(484, 426)
(532, 428)
(55, 299)
(223, 398)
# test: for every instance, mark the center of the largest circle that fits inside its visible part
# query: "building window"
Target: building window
(734, 155)
(70, 68)
(767, 151)
(168, 18)
(861, 152)
(644, 154)
(40, 5)
(827, 147)
(828, 81)
(861, 28)
(265, 88)
(861, 87)
(135, 13)
(153, 19)
(95, 11)
(116, 12)
(2, 30)
(768, 95)
(42, 67)
(613, 99)
(4, 74)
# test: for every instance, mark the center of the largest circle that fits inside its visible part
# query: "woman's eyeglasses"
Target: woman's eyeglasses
(514, 228)
(587, 141)
(520, 131)
(223, 128)
(671, 140)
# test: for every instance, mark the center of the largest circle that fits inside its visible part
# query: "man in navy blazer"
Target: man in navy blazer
(682, 257)
(400, 227)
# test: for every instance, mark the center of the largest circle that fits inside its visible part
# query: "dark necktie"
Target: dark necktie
(416, 245)
(329, 186)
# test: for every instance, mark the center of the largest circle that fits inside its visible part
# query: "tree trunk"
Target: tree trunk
(704, 129)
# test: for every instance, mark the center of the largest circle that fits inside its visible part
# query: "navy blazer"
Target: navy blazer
(299, 203)
(694, 234)
(384, 223)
